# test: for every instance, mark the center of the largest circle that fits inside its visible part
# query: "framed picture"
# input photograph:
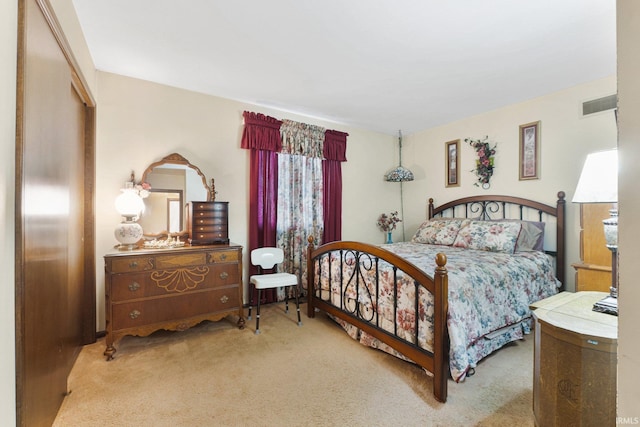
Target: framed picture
(530, 151)
(452, 163)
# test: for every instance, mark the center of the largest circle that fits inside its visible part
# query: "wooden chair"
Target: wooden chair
(267, 259)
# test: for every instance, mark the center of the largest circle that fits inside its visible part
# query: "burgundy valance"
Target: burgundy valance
(335, 145)
(261, 132)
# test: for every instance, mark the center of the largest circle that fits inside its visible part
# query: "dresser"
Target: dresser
(208, 222)
(173, 289)
(574, 365)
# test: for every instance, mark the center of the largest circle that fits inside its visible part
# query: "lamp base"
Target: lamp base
(608, 305)
(128, 233)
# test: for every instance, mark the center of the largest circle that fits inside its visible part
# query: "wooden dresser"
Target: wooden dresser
(173, 289)
(593, 272)
(574, 364)
(208, 222)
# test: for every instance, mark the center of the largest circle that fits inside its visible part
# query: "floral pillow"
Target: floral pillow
(439, 231)
(493, 236)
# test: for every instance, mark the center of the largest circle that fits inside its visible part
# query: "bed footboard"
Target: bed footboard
(344, 279)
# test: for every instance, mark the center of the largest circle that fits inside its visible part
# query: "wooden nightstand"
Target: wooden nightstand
(593, 272)
(574, 365)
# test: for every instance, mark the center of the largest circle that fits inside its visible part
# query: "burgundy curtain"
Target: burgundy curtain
(335, 150)
(261, 135)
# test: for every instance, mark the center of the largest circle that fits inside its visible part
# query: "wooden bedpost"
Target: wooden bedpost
(441, 336)
(560, 220)
(311, 311)
(430, 213)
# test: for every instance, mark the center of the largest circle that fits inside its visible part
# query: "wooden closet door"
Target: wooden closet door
(54, 282)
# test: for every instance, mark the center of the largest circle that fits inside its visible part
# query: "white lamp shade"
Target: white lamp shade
(599, 179)
(129, 204)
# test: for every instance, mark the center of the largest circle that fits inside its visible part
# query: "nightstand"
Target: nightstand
(593, 272)
(574, 364)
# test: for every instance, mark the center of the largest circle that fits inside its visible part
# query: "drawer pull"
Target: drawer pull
(133, 264)
(224, 299)
(223, 256)
(134, 314)
(134, 286)
(224, 275)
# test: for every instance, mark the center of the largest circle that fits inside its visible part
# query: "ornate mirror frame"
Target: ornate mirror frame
(176, 159)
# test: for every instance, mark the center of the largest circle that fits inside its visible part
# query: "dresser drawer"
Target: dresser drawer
(210, 237)
(225, 275)
(210, 228)
(213, 207)
(223, 256)
(146, 312)
(131, 264)
(210, 221)
(220, 215)
(181, 260)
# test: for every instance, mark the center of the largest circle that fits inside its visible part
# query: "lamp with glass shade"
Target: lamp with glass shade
(400, 174)
(129, 204)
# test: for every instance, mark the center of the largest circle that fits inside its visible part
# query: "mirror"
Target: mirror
(174, 182)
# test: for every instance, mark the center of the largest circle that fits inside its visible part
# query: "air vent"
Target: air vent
(601, 104)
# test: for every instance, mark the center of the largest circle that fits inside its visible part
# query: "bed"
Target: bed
(458, 291)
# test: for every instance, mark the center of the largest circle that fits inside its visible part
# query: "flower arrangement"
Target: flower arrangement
(485, 160)
(142, 189)
(388, 222)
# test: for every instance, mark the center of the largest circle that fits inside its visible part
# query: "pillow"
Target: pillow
(440, 231)
(531, 236)
(493, 236)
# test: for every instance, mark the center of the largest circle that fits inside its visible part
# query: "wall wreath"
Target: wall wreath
(485, 163)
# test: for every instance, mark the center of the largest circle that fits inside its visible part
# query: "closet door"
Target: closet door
(55, 284)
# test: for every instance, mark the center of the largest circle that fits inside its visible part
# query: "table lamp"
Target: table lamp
(129, 204)
(599, 184)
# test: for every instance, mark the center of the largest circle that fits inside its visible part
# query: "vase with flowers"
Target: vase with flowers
(387, 223)
(484, 162)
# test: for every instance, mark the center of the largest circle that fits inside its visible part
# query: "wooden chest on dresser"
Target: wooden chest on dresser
(208, 222)
(172, 289)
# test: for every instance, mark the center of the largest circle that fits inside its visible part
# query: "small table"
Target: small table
(574, 365)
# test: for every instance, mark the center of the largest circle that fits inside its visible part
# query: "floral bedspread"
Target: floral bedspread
(489, 298)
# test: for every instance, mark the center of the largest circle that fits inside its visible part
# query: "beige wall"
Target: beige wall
(141, 122)
(8, 52)
(629, 206)
(565, 139)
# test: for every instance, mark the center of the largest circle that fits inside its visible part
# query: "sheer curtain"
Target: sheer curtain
(300, 194)
(261, 135)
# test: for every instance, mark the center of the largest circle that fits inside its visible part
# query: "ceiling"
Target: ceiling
(380, 65)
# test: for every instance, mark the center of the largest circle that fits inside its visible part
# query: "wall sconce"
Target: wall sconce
(129, 204)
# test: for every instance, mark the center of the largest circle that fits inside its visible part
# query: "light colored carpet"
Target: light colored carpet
(217, 375)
